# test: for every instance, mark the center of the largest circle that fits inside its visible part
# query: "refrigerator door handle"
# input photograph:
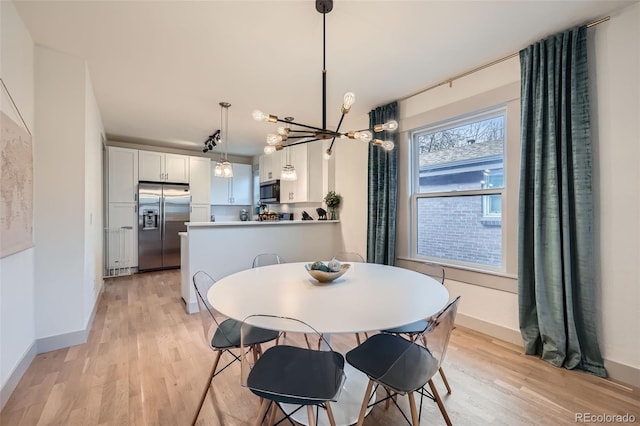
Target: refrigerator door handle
(164, 216)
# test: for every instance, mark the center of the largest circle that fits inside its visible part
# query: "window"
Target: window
(458, 191)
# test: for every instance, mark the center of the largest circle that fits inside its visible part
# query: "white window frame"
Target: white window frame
(500, 110)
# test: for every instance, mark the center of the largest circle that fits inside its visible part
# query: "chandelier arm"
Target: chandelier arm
(340, 123)
(331, 146)
(312, 135)
(299, 143)
(301, 125)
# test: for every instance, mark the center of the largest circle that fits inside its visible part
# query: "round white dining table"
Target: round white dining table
(368, 297)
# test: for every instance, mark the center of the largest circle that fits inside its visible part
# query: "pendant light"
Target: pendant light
(223, 166)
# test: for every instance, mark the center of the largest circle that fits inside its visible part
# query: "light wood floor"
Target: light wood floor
(146, 362)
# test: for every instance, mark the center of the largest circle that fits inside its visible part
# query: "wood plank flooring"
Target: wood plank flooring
(146, 363)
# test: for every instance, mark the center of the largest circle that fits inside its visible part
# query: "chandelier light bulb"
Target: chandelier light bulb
(269, 149)
(327, 154)
(349, 100)
(364, 136)
(259, 115)
(273, 139)
(388, 145)
(282, 130)
(390, 125)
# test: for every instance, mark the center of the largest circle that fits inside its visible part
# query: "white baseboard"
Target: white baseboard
(623, 373)
(616, 370)
(45, 345)
(491, 329)
(191, 308)
(16, 375)
(52, 343)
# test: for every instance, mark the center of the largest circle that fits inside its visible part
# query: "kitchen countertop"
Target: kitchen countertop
(257, 222)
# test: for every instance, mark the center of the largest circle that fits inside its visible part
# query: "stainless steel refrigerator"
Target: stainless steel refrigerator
(163, 208)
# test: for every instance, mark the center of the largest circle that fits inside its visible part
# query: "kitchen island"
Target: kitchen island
(222, 248)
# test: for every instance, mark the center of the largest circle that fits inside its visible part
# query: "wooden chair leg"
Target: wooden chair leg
(439, 402)
(263, 410)
(414, 412)
(312, 418)
(444, 379)
(272, 415)
(332, 420)
(306, 339)
(358, 338)
(365, 402)
(206, 389)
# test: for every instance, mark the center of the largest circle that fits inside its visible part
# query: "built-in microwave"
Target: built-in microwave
(270, 191)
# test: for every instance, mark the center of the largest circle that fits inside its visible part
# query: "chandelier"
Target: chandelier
(223, 166)
(291, 133)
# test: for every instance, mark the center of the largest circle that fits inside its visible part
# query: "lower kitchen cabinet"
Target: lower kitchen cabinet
(122, 237)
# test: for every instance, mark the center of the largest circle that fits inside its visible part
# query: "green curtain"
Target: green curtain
(382, 191)
(556, 262)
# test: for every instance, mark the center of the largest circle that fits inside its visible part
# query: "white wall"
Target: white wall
(93, 220)
(17, 325)
(59, 192)
(615, 95)
(68, 212)
(350, 159)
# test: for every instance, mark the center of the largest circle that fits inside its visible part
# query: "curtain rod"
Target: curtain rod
(480, 68)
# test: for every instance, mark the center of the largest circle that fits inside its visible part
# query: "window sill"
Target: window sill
(496, 280)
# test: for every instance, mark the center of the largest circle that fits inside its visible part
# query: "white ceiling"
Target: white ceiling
(160, 68)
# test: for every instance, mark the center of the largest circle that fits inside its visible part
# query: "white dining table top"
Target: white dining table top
(368, 297)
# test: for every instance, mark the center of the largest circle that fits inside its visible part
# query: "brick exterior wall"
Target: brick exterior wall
(454, 228)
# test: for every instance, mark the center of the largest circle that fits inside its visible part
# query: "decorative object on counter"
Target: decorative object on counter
(223, 167)
(292, 133)
(323, 273)
(244, 215)
(332, 200)
(305, 216)
(322, 213)
(269, 216)
(286, 216)
(260, 207)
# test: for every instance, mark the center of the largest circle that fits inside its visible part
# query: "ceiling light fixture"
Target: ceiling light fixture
(223, 167)
(211, 141)
(292, 133)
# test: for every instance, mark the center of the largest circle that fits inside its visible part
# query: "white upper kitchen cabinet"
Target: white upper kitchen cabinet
(123, 175)
(270, 166)
(163, 167)
(200, 180)
(232, 191)
(307, 159)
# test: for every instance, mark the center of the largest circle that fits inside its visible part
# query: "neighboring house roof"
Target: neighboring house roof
(475, 152)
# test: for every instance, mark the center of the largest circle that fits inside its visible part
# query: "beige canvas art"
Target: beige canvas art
(16, 187)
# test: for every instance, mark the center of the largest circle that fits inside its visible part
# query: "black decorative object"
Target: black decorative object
(322, 213)
(305, 216)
